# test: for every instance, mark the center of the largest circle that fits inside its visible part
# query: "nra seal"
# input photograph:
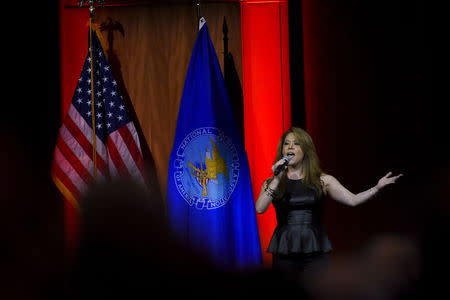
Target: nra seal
(206, 168)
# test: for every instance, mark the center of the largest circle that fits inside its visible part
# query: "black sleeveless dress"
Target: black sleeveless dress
(298, 229)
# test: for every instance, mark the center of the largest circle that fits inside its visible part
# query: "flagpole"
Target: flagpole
(91, 56)
(200, 20)
(94, 134)
(198, 11)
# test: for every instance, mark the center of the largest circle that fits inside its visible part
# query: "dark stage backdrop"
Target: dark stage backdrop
(370, 106)
(32, 232)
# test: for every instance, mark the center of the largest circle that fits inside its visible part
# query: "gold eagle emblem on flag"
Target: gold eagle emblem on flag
(213, 166)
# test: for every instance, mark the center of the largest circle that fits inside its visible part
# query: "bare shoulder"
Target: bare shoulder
(328, 182)
(324, 181)
(327, 179)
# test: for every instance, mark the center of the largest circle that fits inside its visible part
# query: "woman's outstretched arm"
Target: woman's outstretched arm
(338, 192)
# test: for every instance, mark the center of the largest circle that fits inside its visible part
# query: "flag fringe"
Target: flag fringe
(66, 193)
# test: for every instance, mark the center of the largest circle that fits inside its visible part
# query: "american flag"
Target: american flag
(118, 152)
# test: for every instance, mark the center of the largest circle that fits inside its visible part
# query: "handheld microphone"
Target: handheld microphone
(278, 169)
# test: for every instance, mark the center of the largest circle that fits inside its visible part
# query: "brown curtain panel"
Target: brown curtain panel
(149, 48)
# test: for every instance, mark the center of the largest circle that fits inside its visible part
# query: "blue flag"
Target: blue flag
(209, 196)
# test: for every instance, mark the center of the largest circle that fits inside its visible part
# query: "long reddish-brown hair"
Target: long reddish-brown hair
(311, 163)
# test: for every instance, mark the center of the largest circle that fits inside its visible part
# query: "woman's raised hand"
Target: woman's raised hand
(387, 179)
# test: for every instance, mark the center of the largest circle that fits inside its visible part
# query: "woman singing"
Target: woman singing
(297, 190)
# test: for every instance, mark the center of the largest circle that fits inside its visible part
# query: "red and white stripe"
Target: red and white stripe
(73, 164)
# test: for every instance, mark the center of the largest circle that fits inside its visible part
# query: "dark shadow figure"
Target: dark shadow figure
(128, 252)
(110, 27)
(233, 83)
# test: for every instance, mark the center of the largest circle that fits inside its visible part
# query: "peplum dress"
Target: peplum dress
(298, 229)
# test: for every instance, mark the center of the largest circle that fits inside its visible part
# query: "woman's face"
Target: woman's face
(292, 147)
